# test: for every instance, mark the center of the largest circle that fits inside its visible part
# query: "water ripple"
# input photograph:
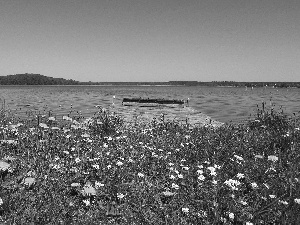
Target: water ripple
(219, 103)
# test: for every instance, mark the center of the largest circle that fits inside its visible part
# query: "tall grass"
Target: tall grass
(104, 171)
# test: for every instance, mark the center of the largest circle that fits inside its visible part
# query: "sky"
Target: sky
(152, 40)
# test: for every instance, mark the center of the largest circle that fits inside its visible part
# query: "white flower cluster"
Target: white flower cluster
(273, 158)
(297, 200)
(233, 184)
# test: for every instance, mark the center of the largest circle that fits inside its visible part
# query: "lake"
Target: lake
(222, 104)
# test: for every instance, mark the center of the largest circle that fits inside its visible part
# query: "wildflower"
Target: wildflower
(272, 158)
(109, 166)
(171, 164)
(97, 167)
(202, 214)
(238, 157)
(11, 142)
(231, 216)
(74, 169)
(180, 176)
(254, 185)
(120, 195)
(185, 210)
(272, 196)
(66, 152)
(243, 202)
(98, 184)
(67, 118)
(105, 145)
(232, 183)
(249, 223)
(223, 220)
(87, 202)
(283, 202)
(4, 166)
(29, 181)
(171, 168)
(75, 185)
(172, 177)
(297, 200)
(74, 126)
(77, 160)
(85, 135)
(9, 158)
(130, 160)
(259, 156)
(185, 168)
(213, 173)
(140, 175)
(240, 175)
(175, 186)
(55, 166)
(212, 170)
(217, 166)
(214, 182)
(201, 177)
(88, 190)
(19, 124)
(168, 193)
(43, 125)
(154, 155)
(119, 163)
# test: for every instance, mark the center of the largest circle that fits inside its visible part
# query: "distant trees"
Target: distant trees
(34, 79)
(38, 79)
(253, 84)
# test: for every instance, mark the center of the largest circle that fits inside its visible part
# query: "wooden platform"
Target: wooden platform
(148, 102)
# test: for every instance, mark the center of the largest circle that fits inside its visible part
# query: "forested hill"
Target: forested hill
(34, 79)
(38, 79)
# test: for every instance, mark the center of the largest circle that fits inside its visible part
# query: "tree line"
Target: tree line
(38, 79)
(34, 79)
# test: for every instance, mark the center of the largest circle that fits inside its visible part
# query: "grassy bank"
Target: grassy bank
(105, 171)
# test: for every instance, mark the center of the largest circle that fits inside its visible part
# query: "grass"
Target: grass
(104, 171)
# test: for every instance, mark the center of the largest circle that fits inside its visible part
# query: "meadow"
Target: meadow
(103, 170)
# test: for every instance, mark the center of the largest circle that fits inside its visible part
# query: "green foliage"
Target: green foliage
(105, 171)
(34, 79)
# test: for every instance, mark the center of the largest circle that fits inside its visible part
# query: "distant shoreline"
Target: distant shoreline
(38, 79)
(144, 85)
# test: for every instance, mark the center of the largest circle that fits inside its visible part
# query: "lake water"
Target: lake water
(222, 104)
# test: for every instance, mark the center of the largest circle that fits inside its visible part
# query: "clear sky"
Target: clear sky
(152, 40)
